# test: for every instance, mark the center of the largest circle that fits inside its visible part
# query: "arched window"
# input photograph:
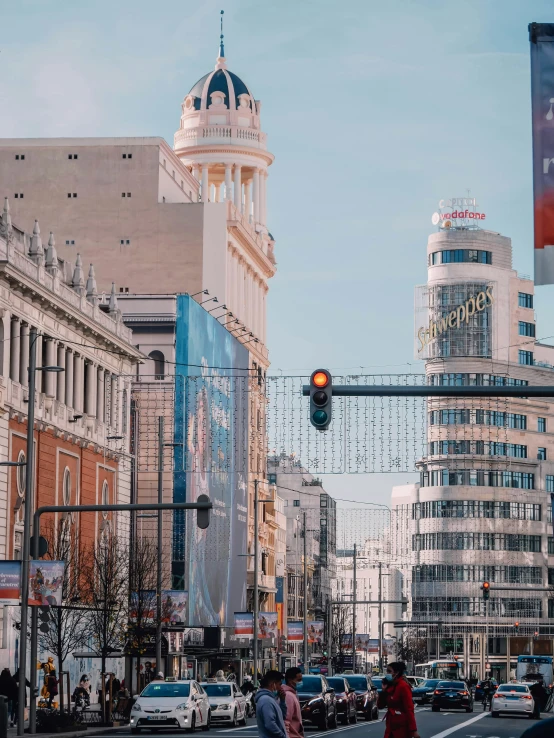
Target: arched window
(66, 486)
(105, 498)
(159, 364)
(21, 474)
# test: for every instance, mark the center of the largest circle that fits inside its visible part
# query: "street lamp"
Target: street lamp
(25, 564)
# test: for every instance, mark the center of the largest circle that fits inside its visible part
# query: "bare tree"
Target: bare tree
(412, 646)
(342, 626)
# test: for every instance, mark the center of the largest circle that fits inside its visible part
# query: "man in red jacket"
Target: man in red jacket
(293, 720)
(396, 696)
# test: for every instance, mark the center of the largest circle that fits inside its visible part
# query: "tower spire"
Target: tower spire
(221, 46)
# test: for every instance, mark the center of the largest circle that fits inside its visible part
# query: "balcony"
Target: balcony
(266, 582)
(223, 134)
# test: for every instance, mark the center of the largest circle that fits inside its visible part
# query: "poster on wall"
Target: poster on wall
(541, 37)
(295, 632)
(174, 606)
(316, 631)
(244, 624)
(46, 583)
(211, 427)
(267, 625)
(10, 582)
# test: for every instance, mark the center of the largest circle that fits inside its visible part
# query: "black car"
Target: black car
(366, 695)
(452, 696)
(423, 694)
(479, 691)
(345, 699)
(317, 701)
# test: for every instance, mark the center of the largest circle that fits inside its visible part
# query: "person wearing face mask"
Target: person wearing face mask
(271, 709)
(396, 696)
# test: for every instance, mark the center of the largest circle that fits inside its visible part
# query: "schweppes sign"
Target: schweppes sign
(456, 318)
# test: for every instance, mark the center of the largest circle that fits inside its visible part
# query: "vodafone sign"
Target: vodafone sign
(458, 212)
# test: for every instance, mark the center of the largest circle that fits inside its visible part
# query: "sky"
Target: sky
(374, 112)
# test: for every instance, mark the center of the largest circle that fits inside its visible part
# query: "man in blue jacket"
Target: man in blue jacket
(271, 708)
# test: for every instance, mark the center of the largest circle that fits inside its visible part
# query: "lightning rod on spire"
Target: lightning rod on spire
(221, 48)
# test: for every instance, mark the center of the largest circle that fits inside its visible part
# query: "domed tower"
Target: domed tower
(221, 141)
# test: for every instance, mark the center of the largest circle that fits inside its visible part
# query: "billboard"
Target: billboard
(46, 583)
(211, 457)
(10, 582)
(244, 624)
(365, 643)
(316, 631)
(268, 625)
(541, 36)
(174, 606)
(295, 632)
(143, 607)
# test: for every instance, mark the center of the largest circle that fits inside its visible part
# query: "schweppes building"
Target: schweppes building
(481, 511)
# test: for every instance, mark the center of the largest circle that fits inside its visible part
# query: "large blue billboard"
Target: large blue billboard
(211, 457)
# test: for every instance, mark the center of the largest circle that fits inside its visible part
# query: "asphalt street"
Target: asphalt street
(430, 725)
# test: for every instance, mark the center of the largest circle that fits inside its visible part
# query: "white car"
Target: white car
(227, 702)
(512, 698)
(171, 704)
(414, 681)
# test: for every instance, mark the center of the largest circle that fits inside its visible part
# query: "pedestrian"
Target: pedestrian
(396, 696)
(8, 687)
(293, 719)
(540, 730)
(271, 709)
(52, 686)
(220, 675)
(538, 693)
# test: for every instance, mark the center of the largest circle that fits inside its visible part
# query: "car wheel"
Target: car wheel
(333, 720)
(494, 714)
(208, 722)
(435, 709)
(192, 727)
(469, 709)
(354, 717)
(235, 721)
(324, 722)
(343, 718)
(375, 713)
(242, 721)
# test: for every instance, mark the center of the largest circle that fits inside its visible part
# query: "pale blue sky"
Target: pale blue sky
(374, 112)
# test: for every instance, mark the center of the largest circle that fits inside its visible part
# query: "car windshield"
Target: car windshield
(217, 690)
(166, 689)
(309, 684)
(356, 682)
(429, 683)
(513, 688)
(337, 684)
(451, 685)
(378, 682)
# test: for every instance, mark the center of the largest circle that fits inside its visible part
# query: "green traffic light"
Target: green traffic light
(319, 417)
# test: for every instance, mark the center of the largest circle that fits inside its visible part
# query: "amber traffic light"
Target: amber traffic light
(486, 587)
(321, 396)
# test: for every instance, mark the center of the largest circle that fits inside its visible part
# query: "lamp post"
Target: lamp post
(25, 564)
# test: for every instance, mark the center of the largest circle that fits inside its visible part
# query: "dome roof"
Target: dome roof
(221, 80)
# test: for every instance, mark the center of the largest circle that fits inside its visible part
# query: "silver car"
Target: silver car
(227, 702)
(512, 698)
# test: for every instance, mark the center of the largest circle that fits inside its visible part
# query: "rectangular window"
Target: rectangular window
(525, 357)
(296, 503)
(526, 329)
(70, 243)
(541, 454)
(20, 157)
(550, 545)
(541, 425)
(128, 194)
(73, 156)
(550, 482)
(125, 241)
(525, 300)
(127, 156)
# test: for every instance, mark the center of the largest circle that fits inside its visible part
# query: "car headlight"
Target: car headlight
(136, 707)
(225, 706)
(313, 702)
(182, 706)
(429, 694)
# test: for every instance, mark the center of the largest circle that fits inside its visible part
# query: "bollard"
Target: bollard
(3, 717)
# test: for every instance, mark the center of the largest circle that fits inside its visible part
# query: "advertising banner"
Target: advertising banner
(143, 607)
(174, 606)
(295, 632)
(10, 582)
(211, 428)
(244, 624)
(280, 587)
(346, 640)
(365, 643)
(541, 36)
(316, 631)
(267, 625)
(46, 583)
(280, 616)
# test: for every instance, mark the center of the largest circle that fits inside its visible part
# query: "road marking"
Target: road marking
(448, 731)
(235, 730)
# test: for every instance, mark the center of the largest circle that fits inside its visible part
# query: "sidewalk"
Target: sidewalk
(12, 732)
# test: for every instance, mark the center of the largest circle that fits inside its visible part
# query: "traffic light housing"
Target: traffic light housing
(486, 587)
(516, 626)
(321, 399)
(44, 618)
(203, 516)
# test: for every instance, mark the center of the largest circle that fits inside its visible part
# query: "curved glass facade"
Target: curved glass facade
(459, 541)
(478, 478)
(477, 573)
(495, 510)
(460, 256)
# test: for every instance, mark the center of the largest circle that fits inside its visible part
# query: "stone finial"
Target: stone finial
(92, 290)
(51, 262)
(36, 252)
(78, 281)
(6, 226)
(112, 304)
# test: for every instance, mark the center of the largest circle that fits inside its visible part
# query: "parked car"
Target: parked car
(414, 681)
(366, 695)
(423, 694)
(479, 694)
(452, 696)
(171, 704)
(512, 698)
(227, 702)
(317, 701)
(345, 697)
(378, 684)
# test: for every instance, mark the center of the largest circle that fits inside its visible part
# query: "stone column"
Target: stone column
(205, 184)
(5, 347)
(15, 348)
(91, 386)
(49, 381)
(100, 396)
(263, 183)
(24, 360)
(39, 379)
(256, 195)
(195, 171)
(78, 384)
(69, 363)
(248, 200)
(228, 181)
(115, 408)
(60, 377)
(238, 189)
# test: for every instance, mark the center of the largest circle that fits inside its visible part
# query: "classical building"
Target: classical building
(481, 511)
(81, 413)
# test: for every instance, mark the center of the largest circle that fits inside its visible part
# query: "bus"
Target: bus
(533, 668)
(442, 669)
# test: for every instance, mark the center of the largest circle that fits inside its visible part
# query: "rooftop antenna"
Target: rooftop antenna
(221, 48)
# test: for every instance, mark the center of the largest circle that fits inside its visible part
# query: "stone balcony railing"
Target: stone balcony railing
(199, 135)
(264, 580)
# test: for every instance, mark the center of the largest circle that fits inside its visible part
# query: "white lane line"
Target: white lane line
(235, 730)
(455, 728)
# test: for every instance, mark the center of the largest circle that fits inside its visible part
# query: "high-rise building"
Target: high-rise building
(481, 511)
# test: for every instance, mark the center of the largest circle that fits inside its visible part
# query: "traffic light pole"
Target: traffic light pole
(387, 390)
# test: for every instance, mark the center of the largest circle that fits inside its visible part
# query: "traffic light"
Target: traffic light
(516, 626)
(321, 398)
(44, 617)
(536, 635)
(486, 587)
(202, 516)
